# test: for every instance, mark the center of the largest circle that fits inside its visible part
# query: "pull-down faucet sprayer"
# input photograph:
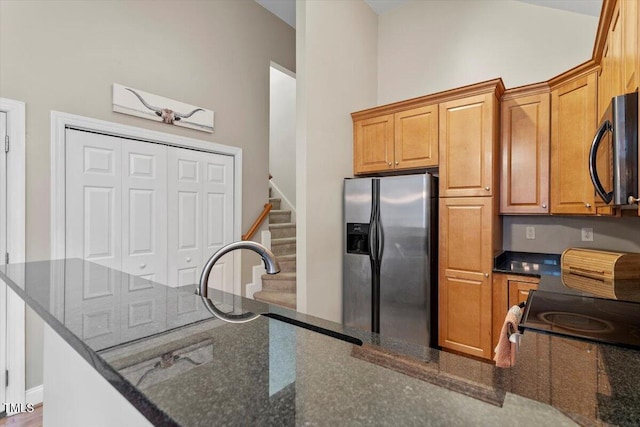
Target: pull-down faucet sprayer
(270, 264)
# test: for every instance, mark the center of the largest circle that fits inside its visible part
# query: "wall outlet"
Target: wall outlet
(530, 233)
(587, 234)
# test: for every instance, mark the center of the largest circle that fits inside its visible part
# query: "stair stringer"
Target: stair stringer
(285, 203)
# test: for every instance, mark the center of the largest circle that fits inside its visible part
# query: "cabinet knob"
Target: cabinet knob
(397, 163)
(588, 205)
(389, 163)
(632, 200)
(487, 188)
(486, 274)
(544, 206)
(143, 265)
(188, 259)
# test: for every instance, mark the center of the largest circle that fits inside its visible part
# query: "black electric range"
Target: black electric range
(588, 318)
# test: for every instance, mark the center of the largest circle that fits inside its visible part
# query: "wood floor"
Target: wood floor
(30, 419)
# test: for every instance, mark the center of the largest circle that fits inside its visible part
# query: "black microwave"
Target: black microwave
(613, 158)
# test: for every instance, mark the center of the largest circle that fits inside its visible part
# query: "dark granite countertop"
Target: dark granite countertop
(273, 372)
(527, 264)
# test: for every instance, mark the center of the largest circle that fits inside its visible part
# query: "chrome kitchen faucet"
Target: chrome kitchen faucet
(270, 264)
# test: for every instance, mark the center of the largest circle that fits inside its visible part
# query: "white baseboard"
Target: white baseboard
(256, 282)
(34, 395)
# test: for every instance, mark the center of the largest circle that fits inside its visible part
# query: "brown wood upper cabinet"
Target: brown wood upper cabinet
(573, 124)
(468, 127)
(524, 139)
(373, 144)
(416, 138)
(630, 12)
(403, 140)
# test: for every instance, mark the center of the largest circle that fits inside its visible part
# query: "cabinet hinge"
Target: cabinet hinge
(6, 143)
(6, 378)
(6, 258)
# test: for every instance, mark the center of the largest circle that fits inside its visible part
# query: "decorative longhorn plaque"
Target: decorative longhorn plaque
(136, 102)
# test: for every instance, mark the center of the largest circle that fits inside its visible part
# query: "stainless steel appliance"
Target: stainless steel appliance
(390, 256)
(615, 149)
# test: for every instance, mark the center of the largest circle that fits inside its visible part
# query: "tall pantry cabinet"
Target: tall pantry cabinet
(470, 228)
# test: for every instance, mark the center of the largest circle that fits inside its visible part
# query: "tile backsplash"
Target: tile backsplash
(554, 234)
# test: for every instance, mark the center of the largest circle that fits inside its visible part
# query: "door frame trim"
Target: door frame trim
(60, 121)
(16, 238)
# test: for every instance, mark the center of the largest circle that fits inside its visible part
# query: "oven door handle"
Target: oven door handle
(604, 128)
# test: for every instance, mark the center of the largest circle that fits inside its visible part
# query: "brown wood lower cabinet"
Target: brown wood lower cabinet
(466, 261)
(509, 290)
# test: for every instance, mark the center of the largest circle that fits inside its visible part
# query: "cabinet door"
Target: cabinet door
(467, 140)
(524, 182)
(519, 291)
(373, 144)
(573, 124)
(630, 13)
(465, 275)
(416, 138)
(508, 290)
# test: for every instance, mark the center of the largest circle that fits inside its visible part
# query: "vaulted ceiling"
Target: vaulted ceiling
(286, 9)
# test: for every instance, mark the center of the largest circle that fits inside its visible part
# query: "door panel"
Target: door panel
(200, 216)
(3, 251)
(573, 124)
(357, 267)
(184, 217)
(524, 177)
(373, 144)
(218, 217)
(416, 138)
(466, 146)
(144, 207)
(404, 295)
(93, 198)
(465, 291)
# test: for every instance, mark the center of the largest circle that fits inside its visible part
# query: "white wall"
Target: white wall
(282, 133)
(431, 46)
(65, 55)
(336, 55)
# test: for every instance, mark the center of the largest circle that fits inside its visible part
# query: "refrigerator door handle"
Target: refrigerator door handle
(380, 235)
(373, 237)
(374, 230)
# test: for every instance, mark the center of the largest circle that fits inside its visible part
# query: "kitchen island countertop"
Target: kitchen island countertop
(164, 353)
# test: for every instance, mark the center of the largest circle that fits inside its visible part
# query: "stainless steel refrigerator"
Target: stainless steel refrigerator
(390, 256)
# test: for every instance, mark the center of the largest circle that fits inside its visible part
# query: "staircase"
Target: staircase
(280, 289)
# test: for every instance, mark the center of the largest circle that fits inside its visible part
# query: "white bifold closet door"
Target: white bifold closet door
(150, 210)
(200, 216)
(3, 251)
(116, 203)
